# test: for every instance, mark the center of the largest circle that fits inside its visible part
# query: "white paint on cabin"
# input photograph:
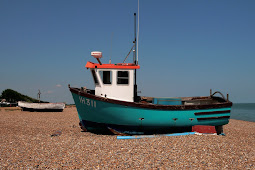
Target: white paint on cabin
(113, 89)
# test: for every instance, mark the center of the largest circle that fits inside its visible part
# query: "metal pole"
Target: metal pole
(134, 59)
(135, 86)
(99, 61)
(137, 35)
(39, 93)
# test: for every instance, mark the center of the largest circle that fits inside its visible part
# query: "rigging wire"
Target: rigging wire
(129, 53)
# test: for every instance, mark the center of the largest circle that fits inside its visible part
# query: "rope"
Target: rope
(129, 53)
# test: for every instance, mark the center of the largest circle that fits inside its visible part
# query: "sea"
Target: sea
(243, 111)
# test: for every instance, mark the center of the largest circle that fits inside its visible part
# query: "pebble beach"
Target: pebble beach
(54, 140)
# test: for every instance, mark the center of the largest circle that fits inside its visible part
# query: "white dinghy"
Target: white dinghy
(42, 107)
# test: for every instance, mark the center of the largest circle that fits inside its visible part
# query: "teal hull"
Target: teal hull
(111, 114)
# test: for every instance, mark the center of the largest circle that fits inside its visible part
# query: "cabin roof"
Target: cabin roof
(112, 66)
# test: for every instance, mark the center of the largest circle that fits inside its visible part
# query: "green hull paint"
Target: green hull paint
(115, 114)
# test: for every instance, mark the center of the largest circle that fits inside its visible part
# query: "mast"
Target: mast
(134, 59)
(137, 34)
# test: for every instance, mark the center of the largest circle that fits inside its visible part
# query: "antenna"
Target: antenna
(111, 50)
(134, 58)
(137, 34)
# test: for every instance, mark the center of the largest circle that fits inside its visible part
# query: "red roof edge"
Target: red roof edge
(113, 66)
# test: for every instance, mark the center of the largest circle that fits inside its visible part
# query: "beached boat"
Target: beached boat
(42, 107)
(115, 106)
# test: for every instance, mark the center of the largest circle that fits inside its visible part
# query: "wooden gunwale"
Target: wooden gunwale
(153, 106)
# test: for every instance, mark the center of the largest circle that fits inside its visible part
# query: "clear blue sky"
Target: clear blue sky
(186, 47)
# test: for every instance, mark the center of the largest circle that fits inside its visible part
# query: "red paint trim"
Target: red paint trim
(112, 66)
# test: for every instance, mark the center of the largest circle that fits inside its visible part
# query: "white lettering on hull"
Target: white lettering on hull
(88, 102)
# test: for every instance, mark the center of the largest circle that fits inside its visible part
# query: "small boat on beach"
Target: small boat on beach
(114, 106)
(41, 107)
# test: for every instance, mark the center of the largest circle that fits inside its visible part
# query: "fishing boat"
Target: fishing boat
(41, 107)
(114, 106)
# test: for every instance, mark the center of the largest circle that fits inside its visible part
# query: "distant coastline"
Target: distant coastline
(243, 111)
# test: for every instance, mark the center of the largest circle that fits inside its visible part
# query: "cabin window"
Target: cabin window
(106, 77)
(122, 77)
(94, 76)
